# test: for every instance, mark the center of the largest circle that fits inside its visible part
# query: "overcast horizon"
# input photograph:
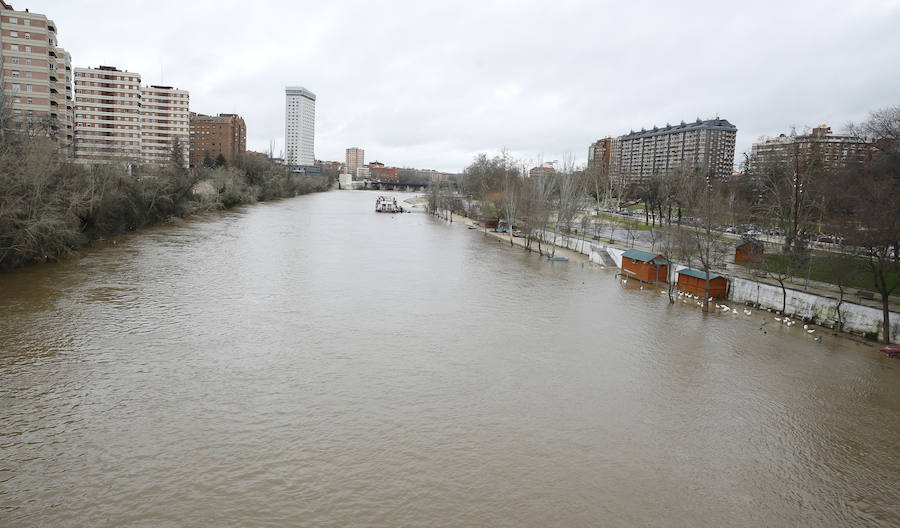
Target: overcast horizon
(430, 86)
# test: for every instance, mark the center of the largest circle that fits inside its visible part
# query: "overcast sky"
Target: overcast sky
(428, 85)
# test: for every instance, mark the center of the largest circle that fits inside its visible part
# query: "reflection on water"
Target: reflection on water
(310, 362)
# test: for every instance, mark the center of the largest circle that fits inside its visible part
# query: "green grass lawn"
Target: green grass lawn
(823, 270)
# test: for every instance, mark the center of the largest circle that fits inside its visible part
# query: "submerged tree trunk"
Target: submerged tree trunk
(840, 302)
(706, 297)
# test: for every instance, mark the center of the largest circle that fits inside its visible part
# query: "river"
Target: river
(308, 362)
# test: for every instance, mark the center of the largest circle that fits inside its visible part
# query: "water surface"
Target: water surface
(309, 362)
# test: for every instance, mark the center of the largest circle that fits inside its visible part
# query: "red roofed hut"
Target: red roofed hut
(645, 266)
(748, 250)
(694, 282)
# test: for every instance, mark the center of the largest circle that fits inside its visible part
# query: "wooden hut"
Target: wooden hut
(645, 266)
(748, 250)
(694, 282)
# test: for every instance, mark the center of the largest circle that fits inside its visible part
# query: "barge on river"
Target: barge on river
(387, 204)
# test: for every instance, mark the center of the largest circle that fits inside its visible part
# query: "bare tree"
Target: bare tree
(702, 196)
(569, 196)
(511, 184)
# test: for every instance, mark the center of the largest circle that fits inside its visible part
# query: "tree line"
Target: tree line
(792, 202)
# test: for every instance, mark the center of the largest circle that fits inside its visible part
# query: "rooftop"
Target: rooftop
(709, 124)
(299, 90)
(644, 256)
(698, 274)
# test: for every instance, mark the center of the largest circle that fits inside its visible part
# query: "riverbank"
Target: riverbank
(813, 307)
(573, 256)
(53, 207)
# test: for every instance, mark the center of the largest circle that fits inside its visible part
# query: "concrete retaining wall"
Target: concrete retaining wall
(857, 318)
(823, 310)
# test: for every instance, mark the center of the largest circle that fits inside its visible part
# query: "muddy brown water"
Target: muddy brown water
(311, 363)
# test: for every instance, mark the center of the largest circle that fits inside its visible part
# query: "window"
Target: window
(13, 20)
(14, 73)
(28, 75)
(13, 47)
(27, 35)
(28, 88)
(27, 62)
(16, 87)
(27, 49)
(30, 100)
(27, 22)
(16, 100)
(14, 34)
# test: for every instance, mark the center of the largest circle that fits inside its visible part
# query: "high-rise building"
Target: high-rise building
(637, 156)
(37, 74)
(225, 134)
(107, 115)
(355, 158)
(165, 119)
(299, 126)
(599, 153)
(832, 152)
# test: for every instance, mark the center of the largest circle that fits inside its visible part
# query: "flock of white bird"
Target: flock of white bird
(687, 297)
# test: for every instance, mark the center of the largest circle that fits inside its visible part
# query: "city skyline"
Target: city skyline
(463, 88)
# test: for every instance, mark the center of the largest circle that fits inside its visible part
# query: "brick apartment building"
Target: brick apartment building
(223, 134)
(354, 158)
(832, 151)
(107, 115)
(165, 117)
(37, 75)
(634, 157)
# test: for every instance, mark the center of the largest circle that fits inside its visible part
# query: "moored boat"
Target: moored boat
(387, 204)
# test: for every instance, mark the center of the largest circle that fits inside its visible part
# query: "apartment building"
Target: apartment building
(37, 75)
(636, 156)
(833, 152)
(542, 171)
(107, 115)
(354, 158)
(224, 134)
(299, 126)
(599, 153)
(165, 119)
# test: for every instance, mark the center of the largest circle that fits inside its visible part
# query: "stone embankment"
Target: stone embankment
(819, 309)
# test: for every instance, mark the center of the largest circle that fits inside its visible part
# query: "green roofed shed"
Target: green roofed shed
(644, 256)
(694, 282)
(697, 273)
(644, 266)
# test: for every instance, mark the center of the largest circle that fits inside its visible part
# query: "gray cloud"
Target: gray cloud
(429, 85)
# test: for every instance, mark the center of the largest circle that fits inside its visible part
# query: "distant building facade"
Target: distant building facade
(299, 126)
(107, 115)
(224, 134)
(354, 158)
(637, 156)
(599, 153)
(37, 75)
(634, 157)
(165, 119)
(544, 170)
(382, 173)
(834, 152)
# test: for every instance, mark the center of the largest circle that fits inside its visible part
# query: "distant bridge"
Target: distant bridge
(388, 185)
